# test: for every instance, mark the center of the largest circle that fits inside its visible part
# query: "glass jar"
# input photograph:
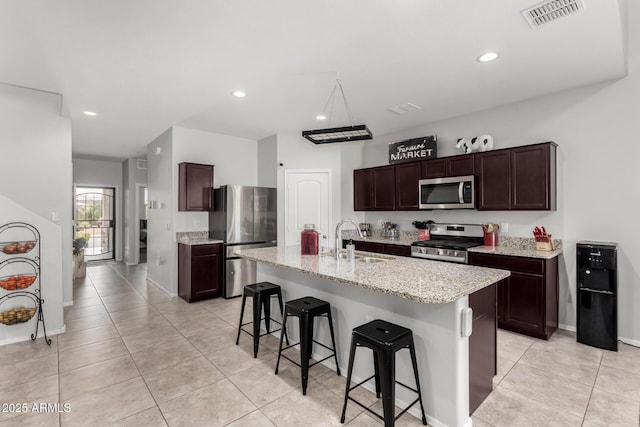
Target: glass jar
(309, 240)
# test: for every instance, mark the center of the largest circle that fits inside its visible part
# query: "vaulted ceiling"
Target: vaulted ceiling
(146, 65)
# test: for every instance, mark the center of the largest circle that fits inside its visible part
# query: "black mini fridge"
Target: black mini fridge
(597, 320)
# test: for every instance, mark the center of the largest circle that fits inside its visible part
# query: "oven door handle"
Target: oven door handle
(461, 192)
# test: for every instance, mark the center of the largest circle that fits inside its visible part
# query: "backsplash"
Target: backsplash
(189, 236)
(407, 237)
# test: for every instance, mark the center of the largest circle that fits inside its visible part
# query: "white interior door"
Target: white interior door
(307, 200)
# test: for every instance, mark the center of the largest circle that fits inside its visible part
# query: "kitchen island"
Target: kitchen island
(425, 296)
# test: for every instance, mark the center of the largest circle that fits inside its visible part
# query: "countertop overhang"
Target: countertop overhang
(419, 280)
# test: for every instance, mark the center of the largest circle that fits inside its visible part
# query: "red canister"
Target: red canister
(309, 240)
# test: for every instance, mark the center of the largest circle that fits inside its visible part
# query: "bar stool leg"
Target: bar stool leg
(333, 341)
(282, 313)
(352, 355)
(306, 335)
(376, 368)
(266, 303)
(257, 305)
(388, 361)
(283, 334)
(244, 300)
(414, 362)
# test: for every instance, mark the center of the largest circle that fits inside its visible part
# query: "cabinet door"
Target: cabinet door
(460, 165)
(362, 189)
(493, 171)
(384, 188)
(533, 177)
(400, 250)
(205, 273)
(407, 177)
(434, 168)
(482, 345)
(524, 304)
(195, 187)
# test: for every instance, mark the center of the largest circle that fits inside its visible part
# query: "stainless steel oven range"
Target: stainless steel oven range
(449, 242)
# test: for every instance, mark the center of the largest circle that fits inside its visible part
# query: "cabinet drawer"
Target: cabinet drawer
(197, 250)
(525, 265)
(400, 250)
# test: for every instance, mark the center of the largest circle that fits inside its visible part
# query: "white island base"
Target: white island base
(442, 351)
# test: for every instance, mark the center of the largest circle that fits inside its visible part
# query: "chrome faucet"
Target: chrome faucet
(338, 237)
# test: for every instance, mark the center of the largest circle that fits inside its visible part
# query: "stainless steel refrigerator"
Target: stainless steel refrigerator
(243, 217)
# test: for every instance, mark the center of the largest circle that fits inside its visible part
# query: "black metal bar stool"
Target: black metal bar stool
(261, 293)
(385, 339)
(306, 309)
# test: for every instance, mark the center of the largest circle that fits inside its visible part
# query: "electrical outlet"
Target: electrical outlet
(504, 227)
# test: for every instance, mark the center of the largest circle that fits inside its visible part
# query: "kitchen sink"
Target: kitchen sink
(367, 258)
(370, 259)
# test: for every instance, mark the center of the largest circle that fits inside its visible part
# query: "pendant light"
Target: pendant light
(339, 134)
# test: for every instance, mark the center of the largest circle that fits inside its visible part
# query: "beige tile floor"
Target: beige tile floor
(132, 356)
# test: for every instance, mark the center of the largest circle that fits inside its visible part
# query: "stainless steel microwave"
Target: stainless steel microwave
(457, 192)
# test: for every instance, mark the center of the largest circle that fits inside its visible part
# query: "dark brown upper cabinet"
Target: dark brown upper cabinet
(407, 177)
(195, 187)
(533, 177)
(448, 166)
(374, 189)
(436, 168)
(493, 173)
(520, 178)
(460, 165)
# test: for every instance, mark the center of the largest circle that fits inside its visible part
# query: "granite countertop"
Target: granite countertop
(509, 246)
(525, 250)
(196, 238)
(420, 280)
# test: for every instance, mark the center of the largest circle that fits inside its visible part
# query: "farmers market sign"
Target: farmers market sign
(413, 149)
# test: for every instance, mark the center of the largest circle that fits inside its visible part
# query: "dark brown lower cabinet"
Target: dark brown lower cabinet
(381, 248)
(528, 299)
(482, 345)
(199, 271)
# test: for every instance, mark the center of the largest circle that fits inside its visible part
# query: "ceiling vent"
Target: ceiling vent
(405, 108)
(550, 11)
(142, 164)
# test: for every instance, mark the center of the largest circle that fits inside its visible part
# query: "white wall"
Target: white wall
(132, 178)
(161, 259)
(596, 130)
(268, 161)
(36, 163)
(235, 160)
(295, 152)
(103, 173)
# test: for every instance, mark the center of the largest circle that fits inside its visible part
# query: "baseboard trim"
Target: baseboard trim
(28, 338)
(635, 343)
(157, 285)
(629, 341)
(567, 327)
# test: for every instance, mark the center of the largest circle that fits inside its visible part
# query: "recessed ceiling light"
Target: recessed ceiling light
(239, 94)
(321, 117)
(488, 57)
(89, 113)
